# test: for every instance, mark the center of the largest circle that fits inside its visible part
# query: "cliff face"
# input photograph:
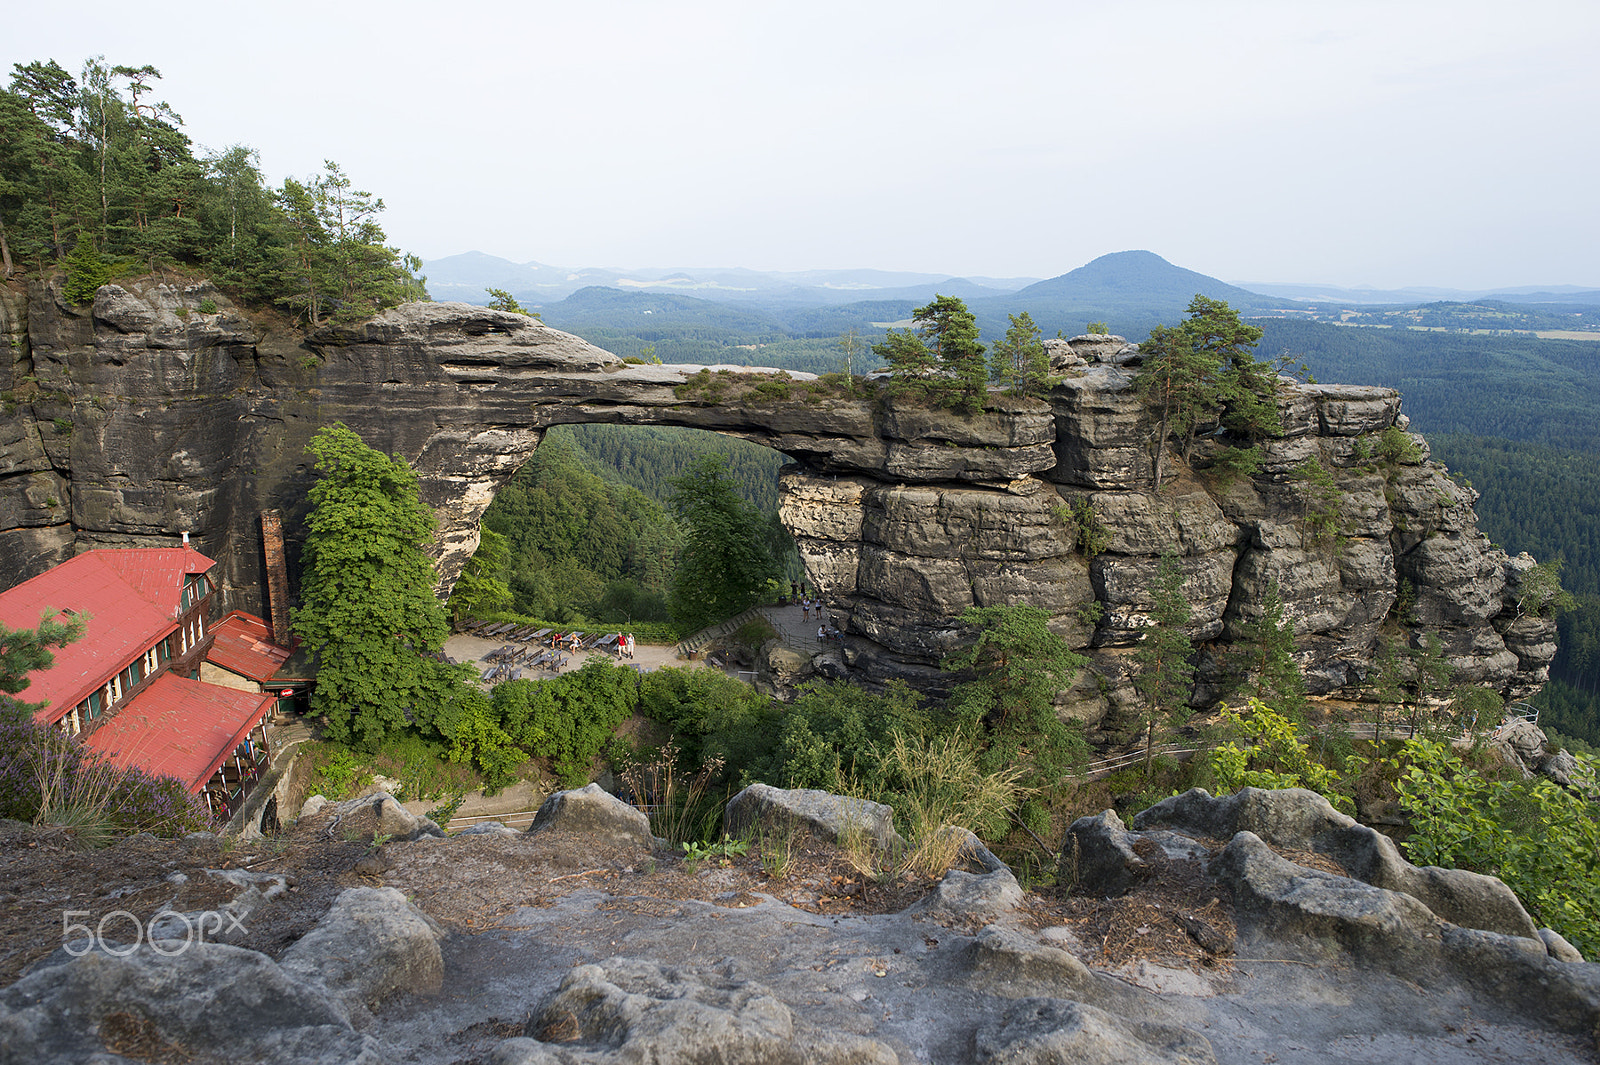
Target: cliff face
(144, 417)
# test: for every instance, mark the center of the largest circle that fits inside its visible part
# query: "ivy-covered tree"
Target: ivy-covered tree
(1018, 666)
(368, 611)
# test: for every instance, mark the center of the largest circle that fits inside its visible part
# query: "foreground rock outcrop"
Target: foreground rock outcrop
(496, 956)
(144, 416)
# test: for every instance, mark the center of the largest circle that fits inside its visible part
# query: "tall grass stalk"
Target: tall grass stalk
(76, 790)
(680, 806)
(936, 788)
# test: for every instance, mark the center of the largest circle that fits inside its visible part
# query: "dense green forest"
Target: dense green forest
(588, 524)
(581, 547)
(98, 177)
(1516, 387)
(647, 457)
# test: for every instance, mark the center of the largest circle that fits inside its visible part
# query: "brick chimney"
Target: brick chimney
(277, 577)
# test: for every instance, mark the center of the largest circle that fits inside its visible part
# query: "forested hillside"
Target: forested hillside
(1546, 501)
(589, 534)
(648, 457)
(1515, 387)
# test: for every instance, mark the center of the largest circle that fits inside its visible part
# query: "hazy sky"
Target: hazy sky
(1439, 142)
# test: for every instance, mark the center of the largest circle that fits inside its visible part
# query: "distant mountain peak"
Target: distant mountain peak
(1124, 275)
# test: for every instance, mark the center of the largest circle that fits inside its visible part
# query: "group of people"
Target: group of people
(625, 645)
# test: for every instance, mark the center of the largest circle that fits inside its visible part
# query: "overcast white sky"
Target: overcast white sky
(1437, 142)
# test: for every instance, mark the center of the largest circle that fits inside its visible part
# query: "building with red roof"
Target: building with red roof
(153, 682)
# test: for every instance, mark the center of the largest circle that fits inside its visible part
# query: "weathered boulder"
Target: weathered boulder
(1319, 916)
(1526, 739)
(1565, 770)
(1556, 945)
(593, 811)
(1302, 820)
(207, 995)
(369, 945)
(1012, 964)
(624, 1010)
(971, 896)
(764, 809)
(1098, 858)
(1043, 1031)
(400, 824)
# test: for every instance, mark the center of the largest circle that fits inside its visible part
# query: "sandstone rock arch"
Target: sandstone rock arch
(903, 515)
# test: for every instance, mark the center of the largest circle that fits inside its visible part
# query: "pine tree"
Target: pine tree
(1166, 675)
(1020, 361)
(1269, 643)
(1202, 372)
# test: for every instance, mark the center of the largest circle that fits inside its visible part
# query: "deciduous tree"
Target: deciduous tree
(368, 610)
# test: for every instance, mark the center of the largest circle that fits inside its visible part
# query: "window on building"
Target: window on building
(195, 588)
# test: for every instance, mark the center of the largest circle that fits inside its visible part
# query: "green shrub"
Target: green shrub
(208, 306)
(1541, 839)
(712, 715)
(754, 633)
(1274, 758)
(336, 773)
(568, 719)
(835, 730)
(1085, 531)
(1396, 447)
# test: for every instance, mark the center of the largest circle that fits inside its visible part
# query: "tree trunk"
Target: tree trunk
(1161, 441)
(6, 269)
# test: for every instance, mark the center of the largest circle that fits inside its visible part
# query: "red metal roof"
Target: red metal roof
(242, 644)
(180, 728)
(132, 597)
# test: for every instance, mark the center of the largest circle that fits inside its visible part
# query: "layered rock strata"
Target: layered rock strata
(143, 417)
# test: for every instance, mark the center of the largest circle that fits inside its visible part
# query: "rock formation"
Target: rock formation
(143, 417)
(496, 957)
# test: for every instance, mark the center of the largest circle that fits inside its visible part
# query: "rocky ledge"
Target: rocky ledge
(1261, 926)
(146, 416)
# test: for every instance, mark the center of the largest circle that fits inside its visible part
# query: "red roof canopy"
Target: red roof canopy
(242, 644)
(180, 728)
(133, 598)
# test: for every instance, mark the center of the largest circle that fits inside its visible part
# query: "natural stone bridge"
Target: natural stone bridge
(146, 418)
